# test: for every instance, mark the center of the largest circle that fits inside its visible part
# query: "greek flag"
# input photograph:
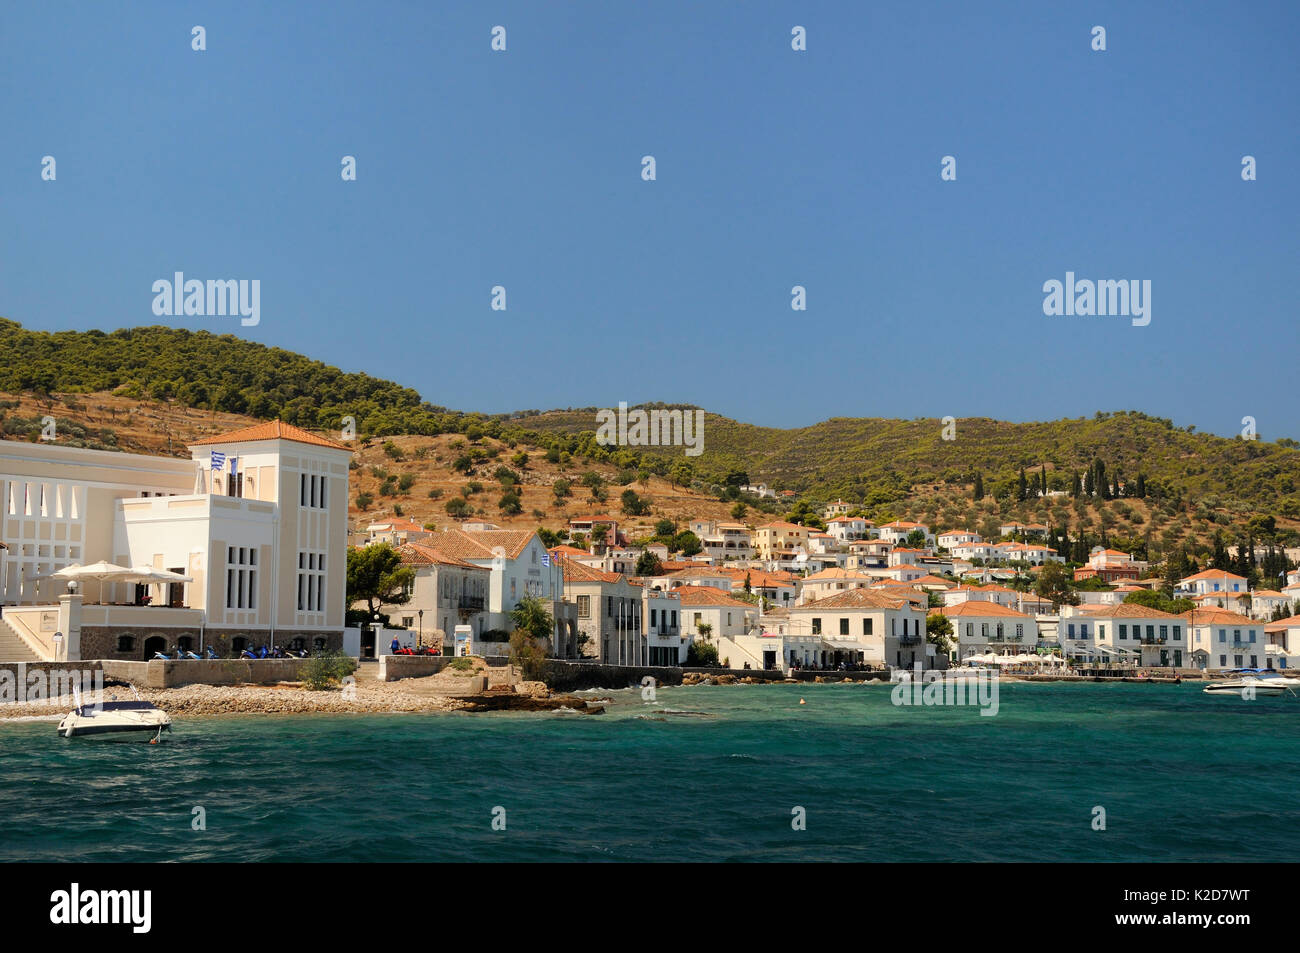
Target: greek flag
(546, 559)
(218, 460)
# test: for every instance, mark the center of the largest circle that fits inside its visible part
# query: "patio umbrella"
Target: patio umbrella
(101, 571)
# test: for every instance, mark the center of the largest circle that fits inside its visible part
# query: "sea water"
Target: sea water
(1093, 772)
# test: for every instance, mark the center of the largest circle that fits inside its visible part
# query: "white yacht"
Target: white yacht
(121, 720)
(1254, 684)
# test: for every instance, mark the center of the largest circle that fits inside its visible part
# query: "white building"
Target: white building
(257, 519)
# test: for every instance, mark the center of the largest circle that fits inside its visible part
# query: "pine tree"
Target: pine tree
(1042, 483)
(979, 486)
(1022, 487)
(1076, 488)
(1141, 486)
(1088, 485)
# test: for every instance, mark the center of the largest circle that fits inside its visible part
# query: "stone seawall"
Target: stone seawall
(169, 673)
(562, 676)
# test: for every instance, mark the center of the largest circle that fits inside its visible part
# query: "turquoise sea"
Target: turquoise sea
(1181, 776)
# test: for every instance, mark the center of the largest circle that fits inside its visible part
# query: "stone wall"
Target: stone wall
(101, 642)
(563, 676)
(160, 673)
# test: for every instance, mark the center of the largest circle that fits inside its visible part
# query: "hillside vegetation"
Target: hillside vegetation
(1192, 484)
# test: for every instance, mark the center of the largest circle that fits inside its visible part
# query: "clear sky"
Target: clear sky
(775, 168)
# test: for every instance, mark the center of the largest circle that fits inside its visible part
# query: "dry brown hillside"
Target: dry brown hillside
(161, 427)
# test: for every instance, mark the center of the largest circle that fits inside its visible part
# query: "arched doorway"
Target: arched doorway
(155, 643)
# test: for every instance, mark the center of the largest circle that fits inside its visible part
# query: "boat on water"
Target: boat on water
(1253, 682)
(116, 720)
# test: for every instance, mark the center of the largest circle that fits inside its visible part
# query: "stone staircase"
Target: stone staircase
(14, 648)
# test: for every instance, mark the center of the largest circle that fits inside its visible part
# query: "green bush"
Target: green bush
(326, 670)
(702, 655)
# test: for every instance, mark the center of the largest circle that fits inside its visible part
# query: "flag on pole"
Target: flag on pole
(218, 460)
(546, 560)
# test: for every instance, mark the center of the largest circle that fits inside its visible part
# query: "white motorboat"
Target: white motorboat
(114, 719)
(1250, 686)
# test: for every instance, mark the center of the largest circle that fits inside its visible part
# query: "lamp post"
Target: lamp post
(419, 638)
(374, 628)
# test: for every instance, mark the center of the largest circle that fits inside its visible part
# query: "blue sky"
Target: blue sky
(775, 168)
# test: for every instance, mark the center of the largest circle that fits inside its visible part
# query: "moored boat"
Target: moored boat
(120, 720)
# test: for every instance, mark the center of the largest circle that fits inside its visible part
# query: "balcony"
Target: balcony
(470, 603)
(911, 638)
(1154, 640)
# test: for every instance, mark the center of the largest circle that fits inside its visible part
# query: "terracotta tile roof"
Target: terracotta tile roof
(1128, 610)
(1213, 574)
(1289, 622)
(581, 572)
(415, 554)
(981, 607)
(480, 544)
(271, 430)
(856, 599)
(1215, 616)
(709, 596)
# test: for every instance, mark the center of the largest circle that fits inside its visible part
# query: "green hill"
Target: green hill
(889, 466)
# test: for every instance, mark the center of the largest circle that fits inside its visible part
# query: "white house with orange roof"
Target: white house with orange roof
(1001, 595)
(723, 541)
(848, 528)
(1221, 639)
(982, 625)
(254, 525)
(520, 565)
(724, 615)
(1212, 581)
(863, 626)
(1141, 634)
(396, 531)
(956, 537)
(902, 573)
(819, 585)
(838, 508)
(898, 531)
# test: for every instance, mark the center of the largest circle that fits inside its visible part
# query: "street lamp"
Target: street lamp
(419, 638)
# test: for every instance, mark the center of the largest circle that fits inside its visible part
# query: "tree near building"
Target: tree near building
(938, 631)
(1054, 585)
(377, 577)
(648, 564)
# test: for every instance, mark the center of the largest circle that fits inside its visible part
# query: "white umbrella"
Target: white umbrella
(101, 571)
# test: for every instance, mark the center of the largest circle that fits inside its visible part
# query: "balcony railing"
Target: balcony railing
(910, 639)
(470, 603)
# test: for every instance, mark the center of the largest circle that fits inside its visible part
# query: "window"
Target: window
(126, 643)
(844, 626)
(241, 577)
(817, 627)
(584, 607)
(311, 582)
(1123, 632)
(1178, 633)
